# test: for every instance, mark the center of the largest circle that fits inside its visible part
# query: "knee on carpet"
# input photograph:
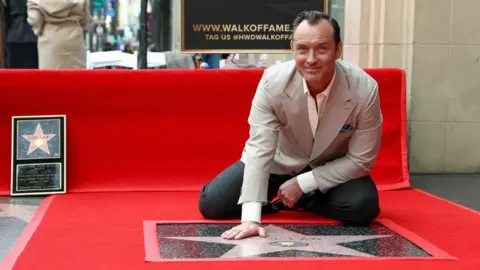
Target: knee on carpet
(214, 212)
(362, 212)
(207, 211)
(205, 207)
(210, 208)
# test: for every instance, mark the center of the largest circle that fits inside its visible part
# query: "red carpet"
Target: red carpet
(129, 129)
(133, 135)
(105, 231)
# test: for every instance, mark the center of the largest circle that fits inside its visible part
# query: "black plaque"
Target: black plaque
(38, 155)
(241, 26)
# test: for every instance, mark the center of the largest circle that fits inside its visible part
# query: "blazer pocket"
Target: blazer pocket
(346, 128)
(345, 132)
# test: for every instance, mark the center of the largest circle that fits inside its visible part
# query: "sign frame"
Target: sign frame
(326, 6)
(56, 159)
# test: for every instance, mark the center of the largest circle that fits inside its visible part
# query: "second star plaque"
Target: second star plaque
(38, 155)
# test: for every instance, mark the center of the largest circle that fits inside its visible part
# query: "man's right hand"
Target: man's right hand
(245, 230)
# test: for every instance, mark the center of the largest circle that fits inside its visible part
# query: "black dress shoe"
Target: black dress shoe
(270, 208)
(301, 204)
(279, 204)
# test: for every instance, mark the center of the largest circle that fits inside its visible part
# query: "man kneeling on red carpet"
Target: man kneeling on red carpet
(315, 133)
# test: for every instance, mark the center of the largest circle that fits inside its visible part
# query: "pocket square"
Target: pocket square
(346, 128)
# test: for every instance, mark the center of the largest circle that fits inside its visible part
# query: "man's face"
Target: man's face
(315, 52)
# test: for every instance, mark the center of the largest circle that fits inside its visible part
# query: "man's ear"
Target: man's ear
(291, 45)
(339, 49)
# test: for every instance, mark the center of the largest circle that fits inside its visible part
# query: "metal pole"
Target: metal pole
(2, 36)
(90, 31)
(142, 33)
(114, 23)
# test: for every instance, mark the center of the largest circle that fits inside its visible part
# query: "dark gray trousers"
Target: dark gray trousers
(354, 202)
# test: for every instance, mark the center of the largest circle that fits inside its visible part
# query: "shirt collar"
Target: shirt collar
(327, 90)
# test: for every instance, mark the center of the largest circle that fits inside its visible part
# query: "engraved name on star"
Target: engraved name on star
(38, 140)
(279, 239)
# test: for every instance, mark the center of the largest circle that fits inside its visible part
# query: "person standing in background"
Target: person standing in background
(20, 41)
(213, 60)
(59, 26)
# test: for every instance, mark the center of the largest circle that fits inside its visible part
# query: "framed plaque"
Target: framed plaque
(241, 26)
(38, 155)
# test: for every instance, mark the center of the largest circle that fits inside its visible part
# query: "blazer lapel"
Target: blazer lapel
(297, 112)
(339, 106)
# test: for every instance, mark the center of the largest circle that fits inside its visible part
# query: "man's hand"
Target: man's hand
(244, 230)
(290, 192)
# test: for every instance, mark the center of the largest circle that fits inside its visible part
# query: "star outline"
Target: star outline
(253, 247)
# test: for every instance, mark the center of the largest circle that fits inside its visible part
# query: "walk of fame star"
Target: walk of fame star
(279, 239)
(38, 140)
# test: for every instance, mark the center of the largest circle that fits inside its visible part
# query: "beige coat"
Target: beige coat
(59, 25)
(345, 146)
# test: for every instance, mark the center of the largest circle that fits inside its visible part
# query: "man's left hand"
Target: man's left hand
(290, 192)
